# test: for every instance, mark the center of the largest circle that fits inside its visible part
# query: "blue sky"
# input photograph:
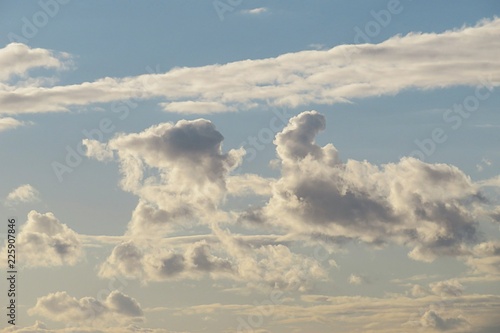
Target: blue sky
(252, 166)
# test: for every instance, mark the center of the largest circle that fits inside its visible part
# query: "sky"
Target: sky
(250, 166)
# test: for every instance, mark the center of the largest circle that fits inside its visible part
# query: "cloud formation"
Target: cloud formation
(424, 206)
(44, 241)
(16, 59)
(61, 307)
(7, 123)
(181, 177)
(158, 263)
(463, 56)
(178, 171)
(22, 194)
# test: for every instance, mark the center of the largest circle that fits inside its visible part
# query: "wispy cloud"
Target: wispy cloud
(337, 75)
(255, 11)
(11, 123)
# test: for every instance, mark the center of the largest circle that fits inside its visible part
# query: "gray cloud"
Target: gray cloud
(44, 241)
(424, 206)
(431, 319)
(178, 171)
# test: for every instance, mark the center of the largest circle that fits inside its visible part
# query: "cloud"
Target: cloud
(22, 194)
(431, 319)
(390, 314)
(356, 279)
(485, 259)
(44, 241)
(17, 59)
(245, 184)
(159, 263)
(255, 11)
(419, 291)
(62, 307)
(257, 262)
(7, 123)
(424, 206)
(182, 178)
(448, 288)
(340, 74)
(178, 171)
(195, 107)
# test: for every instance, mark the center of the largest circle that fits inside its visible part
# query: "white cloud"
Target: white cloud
(178, 171)
(433, 320)
(448, 288)
(255, 263)
(61, 307)
(356, 279)
(255, 11)
(485, 259)
(182, 177)
(44, 241)
(18, 59)
(423, 61)
(195, 107)
(22, 194)
(410, 202)
(240, 185)
(7, 123)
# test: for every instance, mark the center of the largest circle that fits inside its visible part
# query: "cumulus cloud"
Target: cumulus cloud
(44, 241)
(22, 194)
(181, 177)
(158, 264)
(431, 319)
(18, 59)
(64, 308)
(417, 60)
(425, 206)
(178, 171)
(255, 263)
